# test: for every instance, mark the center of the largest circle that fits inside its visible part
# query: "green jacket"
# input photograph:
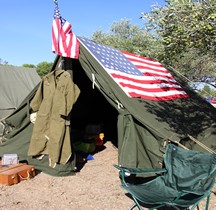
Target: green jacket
(53, 103)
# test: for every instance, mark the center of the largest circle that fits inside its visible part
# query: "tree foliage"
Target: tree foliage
(207, 92)
(28, 65)
(131, 38)
(43, 68)
(188, 32)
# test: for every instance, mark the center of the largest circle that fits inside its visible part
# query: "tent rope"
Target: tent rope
(181, 145)
(186, 78)
(201, 144)
(191, 137)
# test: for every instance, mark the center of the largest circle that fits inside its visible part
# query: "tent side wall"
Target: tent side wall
(132, 129)
(16, 84)
(138, 147)
(145, 126)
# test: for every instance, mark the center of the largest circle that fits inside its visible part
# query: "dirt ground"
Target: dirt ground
(95, 187)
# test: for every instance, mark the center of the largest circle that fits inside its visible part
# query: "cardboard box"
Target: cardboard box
(10, 159)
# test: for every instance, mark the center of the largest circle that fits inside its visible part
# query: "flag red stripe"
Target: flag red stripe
(137, 76)
(152, 69)
(64, 42)
(156, 81)
(160, 98)
(159, 89)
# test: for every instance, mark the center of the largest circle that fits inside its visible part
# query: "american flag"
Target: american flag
(64, 41)
(137, 76)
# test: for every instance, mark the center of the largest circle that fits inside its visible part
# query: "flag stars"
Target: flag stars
(111, 58)
(112, 67)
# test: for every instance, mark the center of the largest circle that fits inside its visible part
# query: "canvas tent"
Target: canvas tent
(16, 83)
(141, 127)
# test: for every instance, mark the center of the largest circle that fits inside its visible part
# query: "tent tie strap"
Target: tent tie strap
(201, 144)
(28, 109)
(93, 82)
(120, 106)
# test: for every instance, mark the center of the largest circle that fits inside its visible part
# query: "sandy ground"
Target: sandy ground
(95, 187)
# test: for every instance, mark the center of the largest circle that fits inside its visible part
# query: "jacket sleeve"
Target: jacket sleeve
(37, 100)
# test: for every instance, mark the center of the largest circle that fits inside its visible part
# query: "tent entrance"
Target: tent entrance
(91, 107)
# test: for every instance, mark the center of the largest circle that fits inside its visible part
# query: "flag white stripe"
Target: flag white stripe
(148, 86)
(141, 78)
(74, 46)
(155, 72)
(141, 59)
(132, 75)
(161, 68)
(155, 94)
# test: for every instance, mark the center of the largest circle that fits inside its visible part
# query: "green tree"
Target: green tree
(207, 92)
(187, 29)
(29, 65)
(131, 38)
(43, 68)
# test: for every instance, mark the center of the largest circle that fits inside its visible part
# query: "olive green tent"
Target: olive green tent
(140, 127)
(16, 83)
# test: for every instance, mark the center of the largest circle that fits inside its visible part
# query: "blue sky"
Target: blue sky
(26, 24)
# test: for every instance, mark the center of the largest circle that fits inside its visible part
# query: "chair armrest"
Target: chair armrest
(140, 170)
(125, 171)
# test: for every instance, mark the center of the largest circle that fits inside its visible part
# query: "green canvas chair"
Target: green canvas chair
(186, 179)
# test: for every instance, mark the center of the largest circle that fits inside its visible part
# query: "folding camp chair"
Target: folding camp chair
(186, 179)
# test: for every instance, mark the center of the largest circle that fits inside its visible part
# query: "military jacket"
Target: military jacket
(53, 102)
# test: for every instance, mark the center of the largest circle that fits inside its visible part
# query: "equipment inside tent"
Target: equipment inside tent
(16, 83)
(140, 127)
